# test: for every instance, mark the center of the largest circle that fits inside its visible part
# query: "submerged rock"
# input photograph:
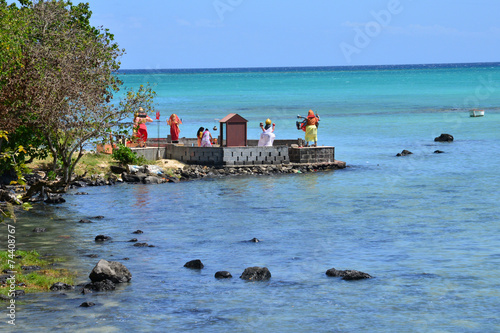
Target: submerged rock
(61, 286)
(110, 270)
(102, 238)
(223, 275)
(404, 153)
(104, 285)
(444, 138)
(87, 304)
(256, 274)
(194, 264)
(348, 274)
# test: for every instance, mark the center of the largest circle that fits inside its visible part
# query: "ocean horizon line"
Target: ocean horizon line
(305, 68)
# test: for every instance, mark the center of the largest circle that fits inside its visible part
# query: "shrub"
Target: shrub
(125, 155)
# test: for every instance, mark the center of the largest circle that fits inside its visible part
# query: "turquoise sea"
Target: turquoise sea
(426, 226)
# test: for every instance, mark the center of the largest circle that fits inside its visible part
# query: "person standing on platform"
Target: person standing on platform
(267, 136)
(199, 135)
(174, 123)
(140, 129)
(206, 139)
(312, 122)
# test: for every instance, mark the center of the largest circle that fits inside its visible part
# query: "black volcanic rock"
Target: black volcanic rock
(194, 264)
(444, 138)
(256, 274)
(223, 275)
(348, 274)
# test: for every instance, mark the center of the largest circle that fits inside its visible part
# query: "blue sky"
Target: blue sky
(266, 33)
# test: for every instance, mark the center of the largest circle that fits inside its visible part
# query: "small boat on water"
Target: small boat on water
(476, 113)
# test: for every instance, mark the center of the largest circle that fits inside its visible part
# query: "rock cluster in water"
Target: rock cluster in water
(110, 270)
(444, 138)
(348, 274)
(58, 286)
(105, 276)
(404, 153)
(152, 174)
(148, 175)
(256, 274)
(198, 171)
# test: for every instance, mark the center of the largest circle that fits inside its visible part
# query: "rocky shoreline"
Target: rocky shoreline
(152, 174)
(148, 175)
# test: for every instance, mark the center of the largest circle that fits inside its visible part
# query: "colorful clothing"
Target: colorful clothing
(174, 123)
(311, 133)
(311, 127)
(206, 139)
(142, 132)
(199, 135)
(312, 119)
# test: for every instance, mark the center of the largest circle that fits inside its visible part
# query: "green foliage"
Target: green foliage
(36, 281)
(21, 147)
(51, 175)
(11, 159)
(13, 27)
(57, 82)
(125, 155)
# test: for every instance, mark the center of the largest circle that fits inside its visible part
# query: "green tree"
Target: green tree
(59, 80)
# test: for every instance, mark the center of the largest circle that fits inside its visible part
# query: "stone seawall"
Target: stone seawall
(239, 156)
(248, 156)
(195, 155)
(312, 154)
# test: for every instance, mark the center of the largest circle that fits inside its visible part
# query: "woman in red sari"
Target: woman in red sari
(141, 131)
(174, 123)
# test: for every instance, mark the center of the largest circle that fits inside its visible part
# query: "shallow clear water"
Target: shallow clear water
(425, 225)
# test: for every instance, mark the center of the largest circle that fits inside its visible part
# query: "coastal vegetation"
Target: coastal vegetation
(38, 274)
(58, 88)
